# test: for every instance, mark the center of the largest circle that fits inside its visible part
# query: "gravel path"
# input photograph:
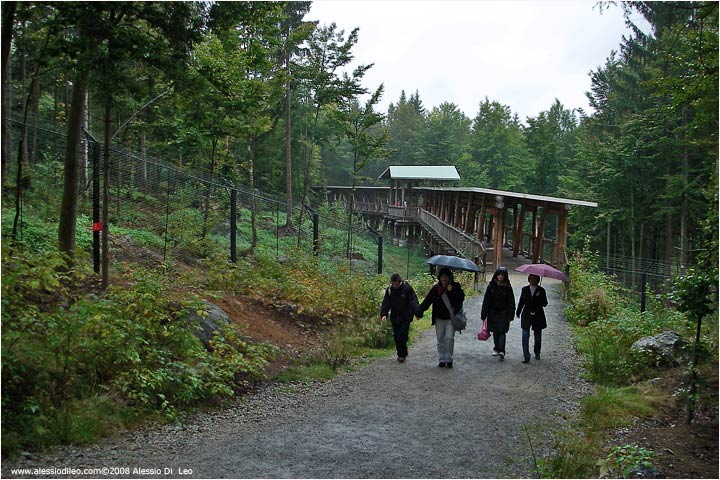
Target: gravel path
(482, 419)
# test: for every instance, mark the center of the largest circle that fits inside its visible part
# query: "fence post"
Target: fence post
(379, 254)
(315, 218)
(643, 281)
(233, 225)
(96, 224)
(316, 232)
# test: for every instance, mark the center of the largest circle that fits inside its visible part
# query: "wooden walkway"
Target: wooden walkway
(469, 222)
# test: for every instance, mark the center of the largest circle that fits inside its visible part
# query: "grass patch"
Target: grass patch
(579, 447)
(612, 407)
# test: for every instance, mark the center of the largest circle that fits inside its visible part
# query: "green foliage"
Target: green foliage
(574, 457)
(593, 295)
(623, 459)
(34, 234)
(695, 292)
(141, 238)
(606, 324)
(62, 350)
(578, 448)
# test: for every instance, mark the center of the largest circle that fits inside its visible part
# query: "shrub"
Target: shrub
(132, 344)
(623, 459)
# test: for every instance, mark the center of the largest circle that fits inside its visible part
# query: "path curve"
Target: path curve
(482, 419)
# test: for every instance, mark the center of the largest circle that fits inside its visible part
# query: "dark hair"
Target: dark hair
(533, 275)
(503, 271)
(395, 278)
(446, 271)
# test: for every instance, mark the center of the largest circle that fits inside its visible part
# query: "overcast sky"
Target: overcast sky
(523, 54)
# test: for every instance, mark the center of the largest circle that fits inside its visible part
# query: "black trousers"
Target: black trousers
(401, 331)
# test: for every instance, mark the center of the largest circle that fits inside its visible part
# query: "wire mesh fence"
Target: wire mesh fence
(167, 214)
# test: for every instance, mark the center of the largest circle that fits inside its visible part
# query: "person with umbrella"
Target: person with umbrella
(533, 300)
(498, 308)
(401, 302)
(444, 329)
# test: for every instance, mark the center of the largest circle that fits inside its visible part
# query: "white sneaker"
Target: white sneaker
(502, 356)
(495, 353)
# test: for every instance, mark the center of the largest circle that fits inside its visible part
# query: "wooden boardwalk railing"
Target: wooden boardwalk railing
(464, 244)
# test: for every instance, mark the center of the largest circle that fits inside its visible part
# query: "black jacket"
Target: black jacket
(498, 306)
(434, 298)
(531, 307)
(401, 303)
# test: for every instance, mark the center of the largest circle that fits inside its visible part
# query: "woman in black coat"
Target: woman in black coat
(498, 308)
(444, 329)
(533, 299)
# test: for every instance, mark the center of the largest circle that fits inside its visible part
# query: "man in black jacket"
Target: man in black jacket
(402, 303)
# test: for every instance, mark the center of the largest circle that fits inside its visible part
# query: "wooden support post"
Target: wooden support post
(498, 236)
(540, 236)
(514, 227)
(456, 213)
(445, 207)
(468, 214)
(481, 220)
(562, 236)
(533, 237)
(517, 238)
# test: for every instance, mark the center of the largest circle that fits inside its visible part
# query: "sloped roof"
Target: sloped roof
(514, 195)
(420, 173)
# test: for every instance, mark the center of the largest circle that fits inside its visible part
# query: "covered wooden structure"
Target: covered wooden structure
(469, 221)
(404, 178)
(499, 218)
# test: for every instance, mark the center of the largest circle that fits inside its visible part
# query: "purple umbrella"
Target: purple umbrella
(542, 270)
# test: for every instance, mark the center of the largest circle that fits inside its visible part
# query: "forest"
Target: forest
(253, 92)
(140, 121)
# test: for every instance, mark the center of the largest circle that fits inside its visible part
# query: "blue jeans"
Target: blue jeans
(526, 342)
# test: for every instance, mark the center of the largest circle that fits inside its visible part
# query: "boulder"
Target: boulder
(666, 348)
(208, 324)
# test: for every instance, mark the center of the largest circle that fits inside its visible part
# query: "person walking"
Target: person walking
(533, 300)
(444, 329)
(498, 308)
(401, 302)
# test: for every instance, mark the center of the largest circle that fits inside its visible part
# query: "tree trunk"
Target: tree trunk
(105, 261)
(69, 204)
(24, 94)
(8, 19)
(206, 202)
(668, 255)
(84, 160)
(684, 221)
(141, 165)
(288, 151)
(253, 203)
(35, 109)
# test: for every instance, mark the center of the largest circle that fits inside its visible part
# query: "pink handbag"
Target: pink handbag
(483, 333)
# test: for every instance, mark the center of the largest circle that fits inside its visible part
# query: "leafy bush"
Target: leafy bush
(593, 295)
(623, 459)
(606, 324)
(62, 348)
